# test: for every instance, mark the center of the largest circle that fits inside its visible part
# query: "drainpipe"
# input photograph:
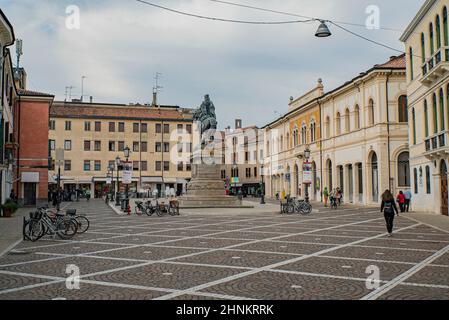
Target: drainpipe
(388, 130)
(321, 152)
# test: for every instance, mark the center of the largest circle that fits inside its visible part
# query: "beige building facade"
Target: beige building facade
(357, 135)
(426, 41)
(93, 135)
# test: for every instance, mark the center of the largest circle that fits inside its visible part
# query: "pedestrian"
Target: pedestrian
(388, 207)
(401, 201)
(326, 196)
(13, 196)
(87, 195)
(408, 200)
(338, 195)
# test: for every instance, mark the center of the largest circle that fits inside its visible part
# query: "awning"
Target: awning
(152, 180)
(181, 181)
(170, 180)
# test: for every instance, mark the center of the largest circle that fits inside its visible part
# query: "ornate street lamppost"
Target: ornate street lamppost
(118, 161)
(111, 170)
(307, 157)
(262, 187)
(126, 153)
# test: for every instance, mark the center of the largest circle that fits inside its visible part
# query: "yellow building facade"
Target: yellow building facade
(93, 135)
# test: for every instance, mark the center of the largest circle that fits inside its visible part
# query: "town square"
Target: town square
(191, 151)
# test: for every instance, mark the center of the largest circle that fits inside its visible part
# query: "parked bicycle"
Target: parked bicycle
(296, 206)
(45, 221)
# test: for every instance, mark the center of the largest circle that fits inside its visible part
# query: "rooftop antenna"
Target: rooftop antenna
(157, 88)
(82, 87)
(69, 91)
(19, 51)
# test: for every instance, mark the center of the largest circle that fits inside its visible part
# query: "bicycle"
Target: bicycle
(333, 203)
(81, 220)
(41, 223)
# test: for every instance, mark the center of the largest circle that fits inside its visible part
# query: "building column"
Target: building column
(346, 183)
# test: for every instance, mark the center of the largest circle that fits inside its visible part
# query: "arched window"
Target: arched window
(268, 148)
(414, 125)
(281, 144)
(432, 48)
(435, 113)
(357, 116)
(403, 112)
(415, 180)
(295, 137)
(445, 27)
(438, 33)
(328, 127)
(374, 177)
(312, 131)
(410, 53)
(423, 47)
(347, 121)
(288, 141)
(426, 119)
(304, 134)
(371, 112)
(403, 170)
(338, 123)
(442, 117)
(428, 182)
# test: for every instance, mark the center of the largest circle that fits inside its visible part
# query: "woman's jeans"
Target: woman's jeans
(389, 219)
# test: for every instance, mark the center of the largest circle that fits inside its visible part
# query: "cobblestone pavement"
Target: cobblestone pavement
(250, 256)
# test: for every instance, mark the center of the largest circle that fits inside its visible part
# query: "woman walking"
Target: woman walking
(401, 200)
(389, 208)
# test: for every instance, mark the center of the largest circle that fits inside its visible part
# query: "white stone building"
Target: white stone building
(427, 45)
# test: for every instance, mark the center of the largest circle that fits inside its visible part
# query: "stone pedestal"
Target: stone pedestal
(207, 189)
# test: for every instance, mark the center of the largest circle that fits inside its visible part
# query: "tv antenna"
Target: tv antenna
(19, 51)
(157, 88)
(68, 92)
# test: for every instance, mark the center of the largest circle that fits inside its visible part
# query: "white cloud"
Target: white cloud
(250, 71)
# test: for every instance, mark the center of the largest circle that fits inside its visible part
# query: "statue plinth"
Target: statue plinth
(207, 189)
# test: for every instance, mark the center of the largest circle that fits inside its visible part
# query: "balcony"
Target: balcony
(437, 145)
(435, 67)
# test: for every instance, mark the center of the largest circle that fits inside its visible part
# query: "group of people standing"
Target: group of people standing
(335, 195)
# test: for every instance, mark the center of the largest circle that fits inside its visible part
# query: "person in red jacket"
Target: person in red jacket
(401, 200)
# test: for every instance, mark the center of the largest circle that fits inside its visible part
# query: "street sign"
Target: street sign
(235, 180)
(59, 156)
(108, 180)
(127, 172)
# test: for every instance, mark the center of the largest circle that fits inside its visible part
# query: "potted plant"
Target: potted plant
(9, 207)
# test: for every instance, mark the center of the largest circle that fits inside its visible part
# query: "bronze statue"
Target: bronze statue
(205, 115)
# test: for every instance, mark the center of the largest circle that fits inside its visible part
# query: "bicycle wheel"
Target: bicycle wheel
(159, 212)
(306, 208)
(36, 230)
(149, 211)
(66, 229)
(290, 209)
(83, 224)
(138, 211)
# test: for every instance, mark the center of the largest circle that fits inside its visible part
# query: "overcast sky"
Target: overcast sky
(250, 71)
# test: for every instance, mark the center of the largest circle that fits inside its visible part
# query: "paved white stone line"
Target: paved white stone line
(404, 276)
(270, 267)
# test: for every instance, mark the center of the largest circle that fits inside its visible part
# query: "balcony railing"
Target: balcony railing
(435, 66)
(436, 142)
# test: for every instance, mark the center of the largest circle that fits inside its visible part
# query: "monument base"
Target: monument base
(207, 190)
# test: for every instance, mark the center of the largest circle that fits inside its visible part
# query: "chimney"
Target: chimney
(154, 103)
(238, 124)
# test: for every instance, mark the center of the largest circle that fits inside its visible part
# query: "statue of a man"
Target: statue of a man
(206, 115)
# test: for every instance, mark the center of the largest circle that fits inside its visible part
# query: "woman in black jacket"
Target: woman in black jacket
(389, 208)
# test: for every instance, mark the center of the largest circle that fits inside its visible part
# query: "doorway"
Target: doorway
(444, 191)
(29, 192)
